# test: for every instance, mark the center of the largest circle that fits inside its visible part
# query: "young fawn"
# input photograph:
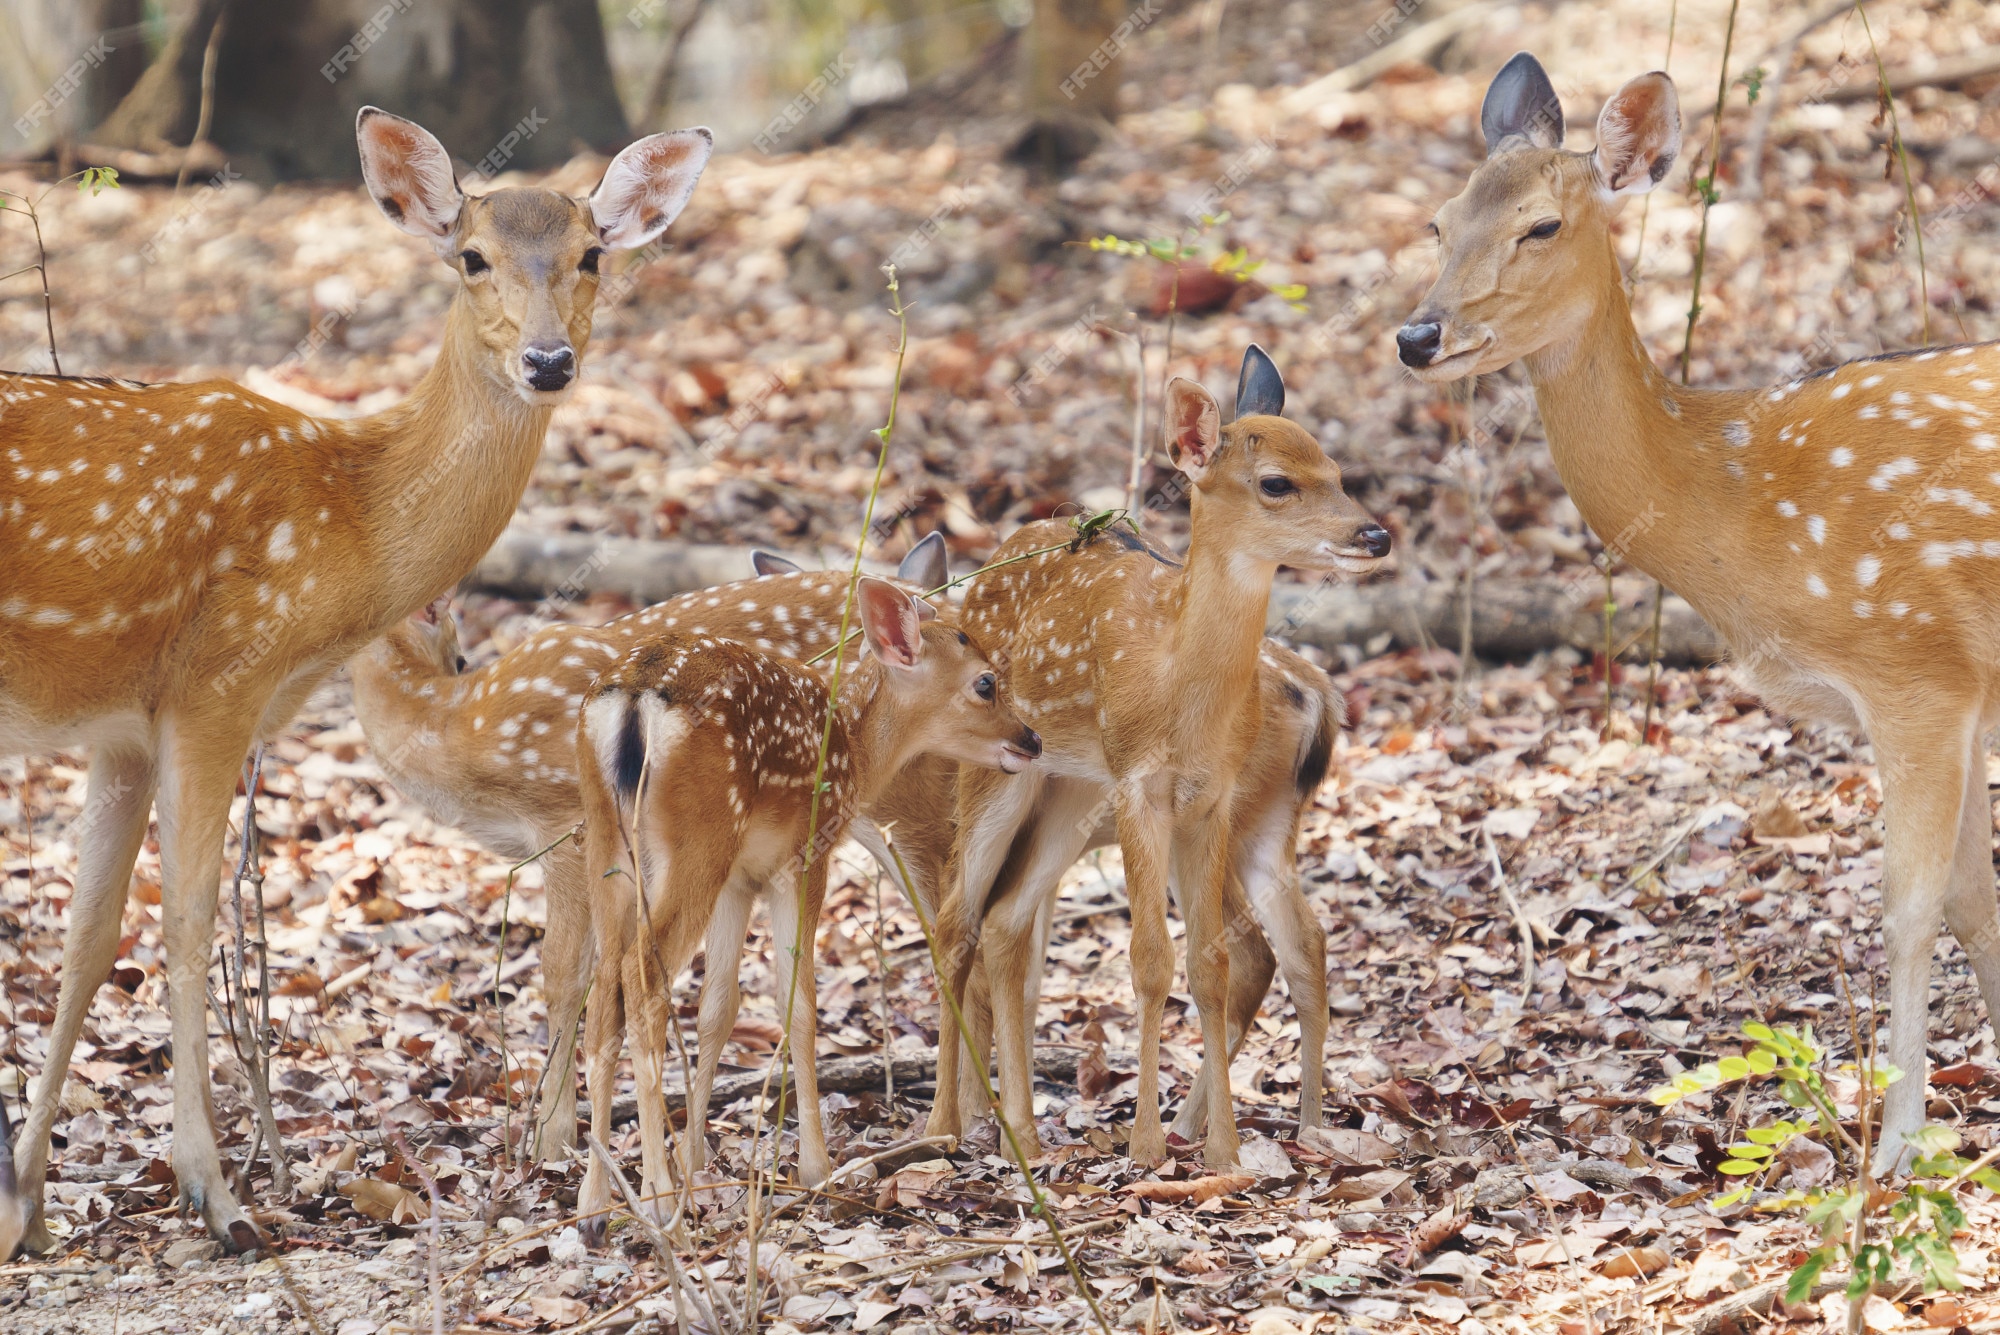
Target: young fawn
(1143, 678)
(490, 751)
(181, 564)
(1835, 528)
(698, 759)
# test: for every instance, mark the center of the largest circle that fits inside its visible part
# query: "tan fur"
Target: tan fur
(1841, 530)
(697, 758)
(1142, 678)
(181, 564)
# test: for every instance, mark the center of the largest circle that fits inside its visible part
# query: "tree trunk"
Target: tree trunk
(63, 65)
(1071, 68)
(503, 83)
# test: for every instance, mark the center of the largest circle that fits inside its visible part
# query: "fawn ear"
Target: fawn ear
(925, 564)
(1194, 427)
(436, 612)
(770, 563)
(1259, 387)
(409, 176)
(647, 185)
(1638, 136)
(1521, 108)
(889, 619)
(925, 612)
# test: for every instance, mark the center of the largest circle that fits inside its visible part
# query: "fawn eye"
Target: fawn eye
(1276, 486)
(984, 686)
(1542, 231)
(474, 262)
(460, 661)
(588, 264)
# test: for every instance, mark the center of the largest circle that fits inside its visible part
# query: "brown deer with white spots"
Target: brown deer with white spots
(181, 564)
(1143, 677)
(1839, 529)
(491, 751)
(697, 760)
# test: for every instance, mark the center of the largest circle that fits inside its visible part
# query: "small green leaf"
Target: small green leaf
(1733, 1068)
(1728, 1199)
(1799, 1287)
(1758, 1152)
(1761, 1032)
(1738, 1167)
(1762, 1060)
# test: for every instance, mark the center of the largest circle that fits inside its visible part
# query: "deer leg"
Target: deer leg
(1042, 853)
(1201, 865)
(603, 1035)
(1969, 907)
(1924, 801)
(112, 826)
(721, 995)
(565, 967)
(649, 990)
(992, 810)
(1143, 836)
(200, 759)
(795, 910)
(1251, 967)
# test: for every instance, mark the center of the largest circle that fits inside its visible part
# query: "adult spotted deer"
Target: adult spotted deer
(491, 751)
(698, 759)
(1142, 676)
(1840, 530)
(181, 564)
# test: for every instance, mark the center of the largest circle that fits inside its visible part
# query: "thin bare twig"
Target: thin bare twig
(1521, 922)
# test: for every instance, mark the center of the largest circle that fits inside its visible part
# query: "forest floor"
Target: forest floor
(1491, 1162)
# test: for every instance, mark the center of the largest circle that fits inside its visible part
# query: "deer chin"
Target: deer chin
(1356, 563)
(1012, 761)
(1475, 360)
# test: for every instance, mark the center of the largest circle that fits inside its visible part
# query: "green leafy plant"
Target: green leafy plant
(93, 179)
(1882, 1235)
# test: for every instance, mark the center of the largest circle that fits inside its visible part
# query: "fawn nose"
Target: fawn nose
(1029, 743)
(1417, 344)
(1375, 538)
(550, 365)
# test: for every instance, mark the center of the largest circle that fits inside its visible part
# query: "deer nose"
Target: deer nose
(1375, 538)
(1029, 743)
(1417, 344)
(550, 365)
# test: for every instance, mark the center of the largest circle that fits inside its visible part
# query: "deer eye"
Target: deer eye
(460, 665)
(1276, 486)
(473, 261)
(1542, 231)
(984, 686)
(588, 264)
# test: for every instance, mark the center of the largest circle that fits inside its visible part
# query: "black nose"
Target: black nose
(1417, 344)
(550, 365)
(1029, 743)
(1376, 539)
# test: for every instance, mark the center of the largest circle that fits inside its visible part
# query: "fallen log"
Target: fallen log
(1511, 620)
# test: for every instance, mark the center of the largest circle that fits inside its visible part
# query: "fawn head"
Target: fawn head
(946, 688)
(1267, 479)
(424, 644)
(1525, 249)
(528, 258)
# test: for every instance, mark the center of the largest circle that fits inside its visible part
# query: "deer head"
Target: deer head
(527, 259)
(1265, 479)
(947, 691)
(1525, 252)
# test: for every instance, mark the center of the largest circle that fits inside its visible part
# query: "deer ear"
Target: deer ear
(1194, 427)
(770, 563)
(435, 612)
(647, 185)
(889, 620)
(1259, 387)
(1521, 108)
(1638, 136)
(409, 176)
(925, 565)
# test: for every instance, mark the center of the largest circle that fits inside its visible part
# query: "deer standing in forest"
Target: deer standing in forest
(711, 773)
(1839, 529)
(1143, 677)
(181, 564)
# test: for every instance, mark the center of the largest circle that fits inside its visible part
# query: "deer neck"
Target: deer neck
(1643, 457)
(389, 682)
(446, 469)
(1224, 600)
(866, 732)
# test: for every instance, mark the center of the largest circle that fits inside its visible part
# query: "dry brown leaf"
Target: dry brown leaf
(1634, 1263)
(384, 1200)
(1197, 1189)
